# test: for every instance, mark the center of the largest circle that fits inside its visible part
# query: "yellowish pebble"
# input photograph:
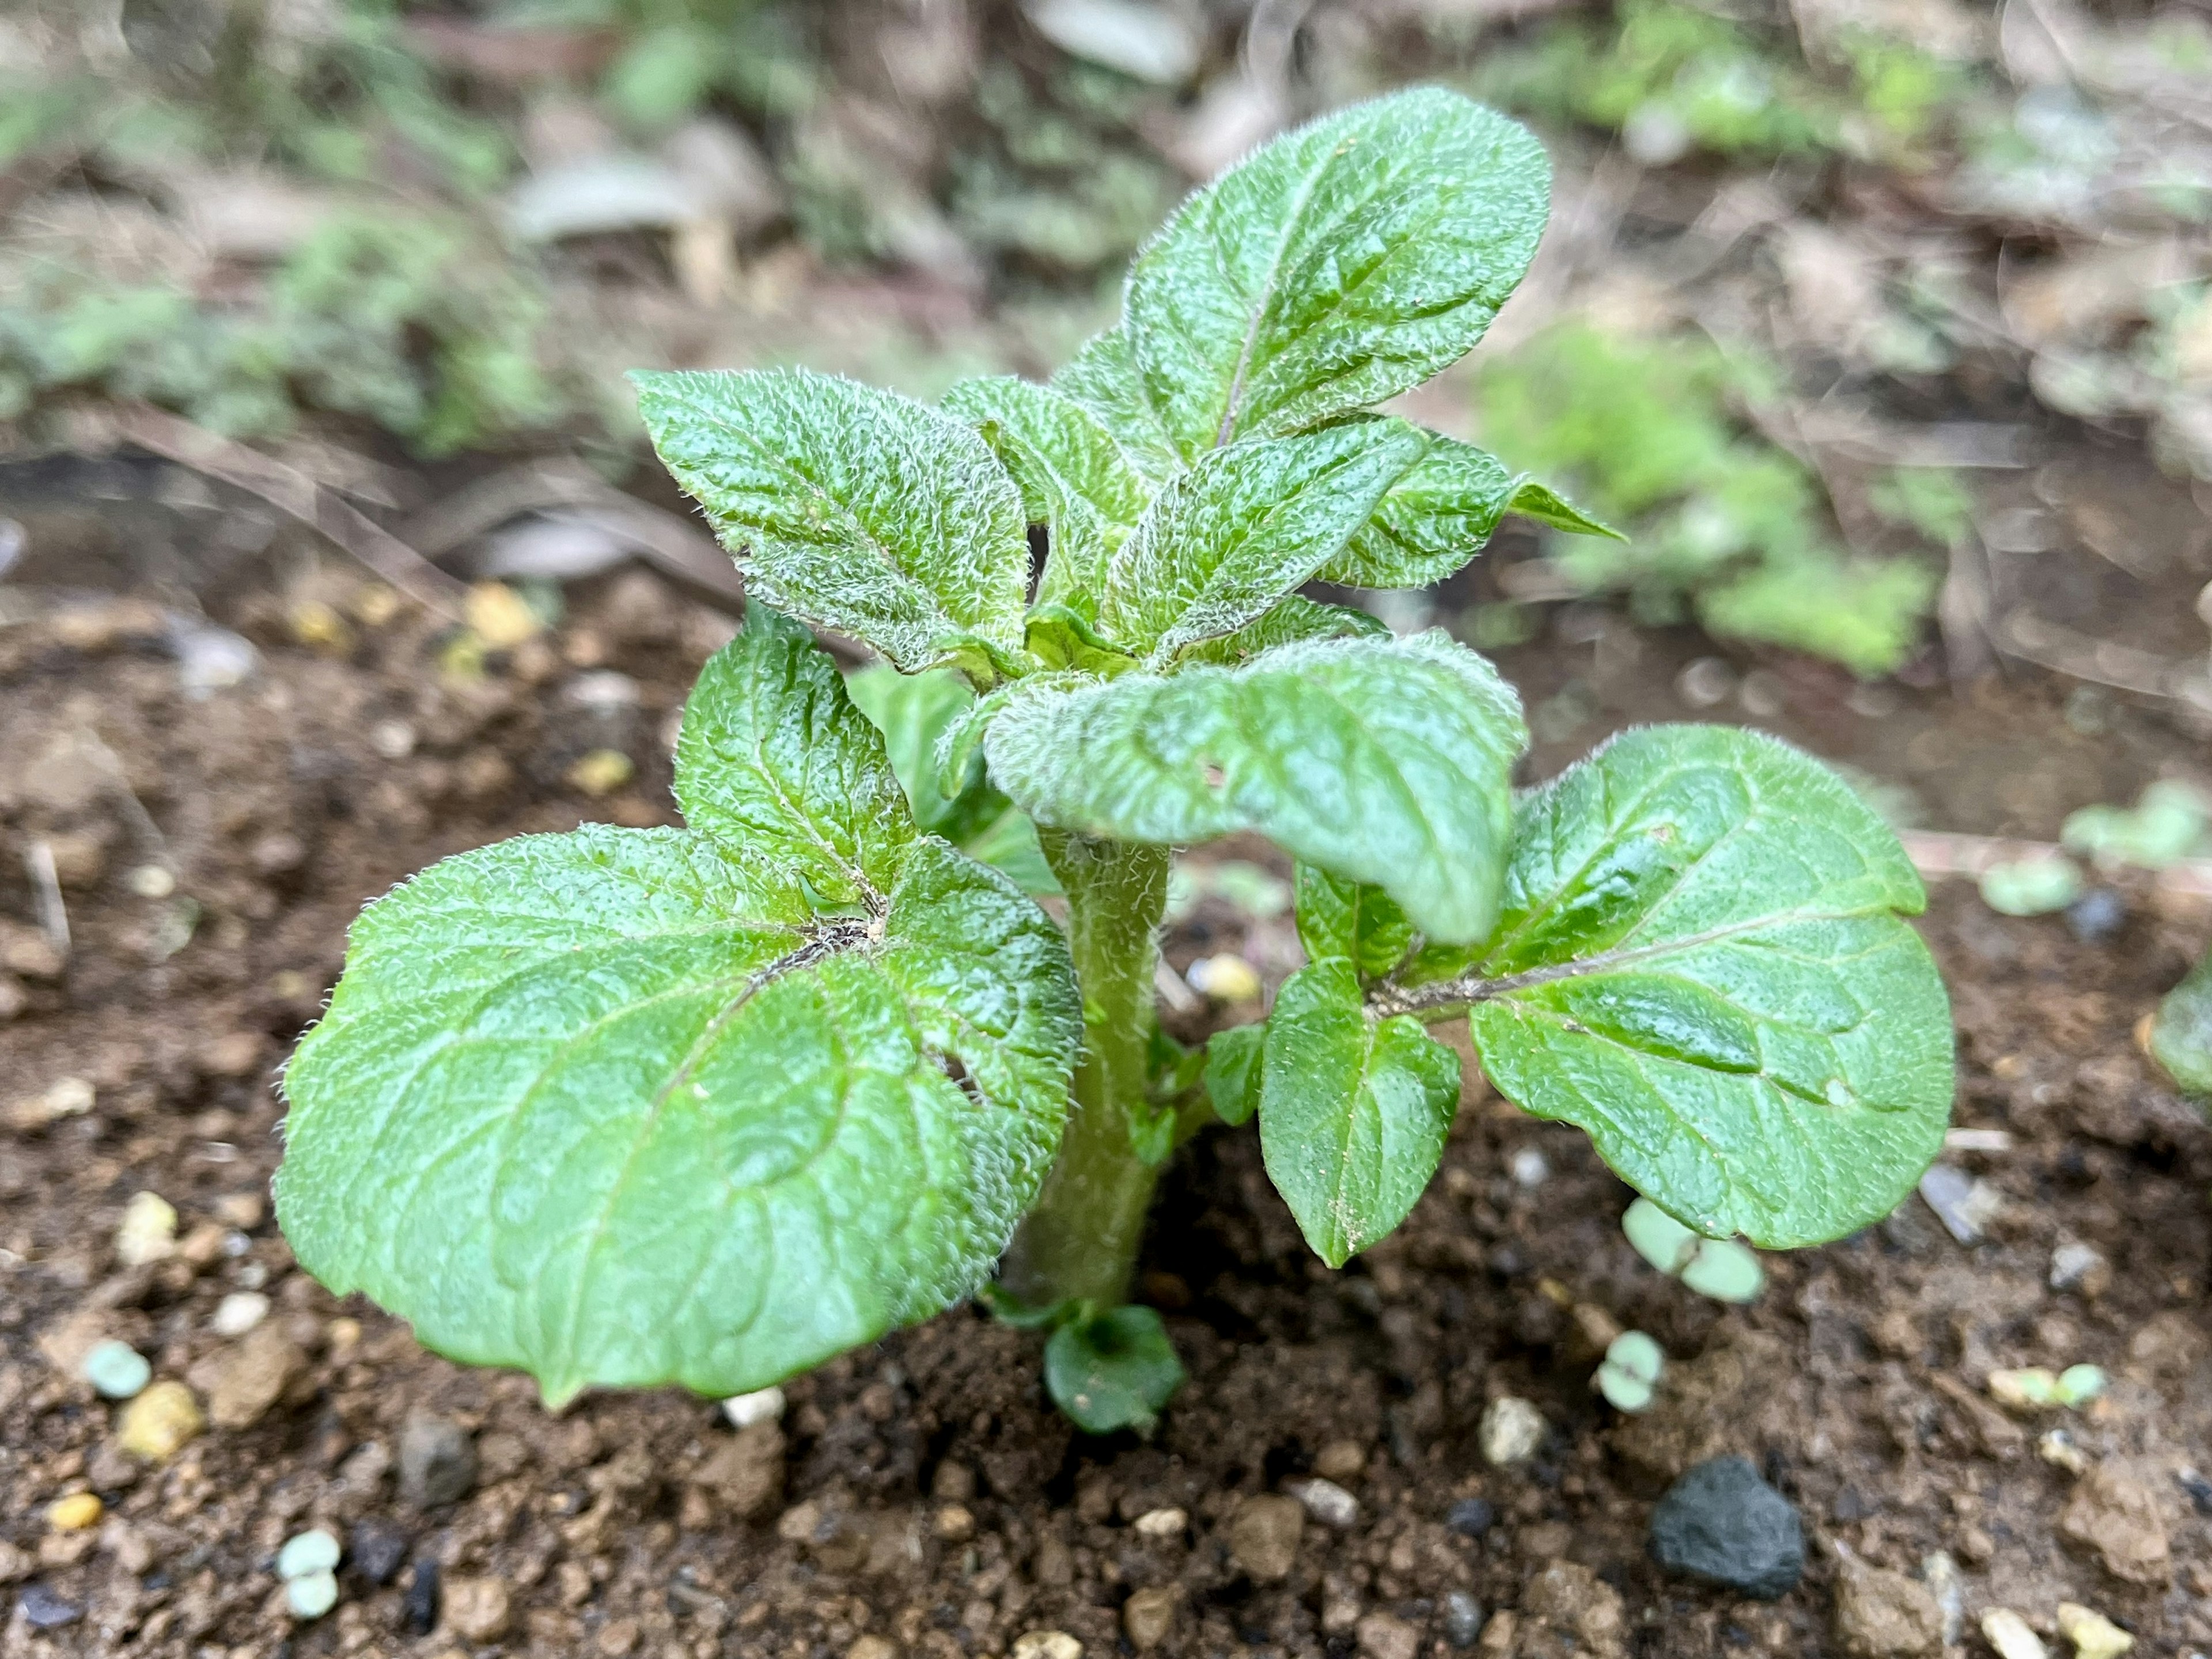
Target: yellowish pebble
(2094, 1636)
(499, 615)
(601, 772)
(160, 1423)
(77, 1512)
(148, 1232)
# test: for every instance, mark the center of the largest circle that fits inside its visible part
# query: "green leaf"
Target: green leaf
(2181, 1035)
(1073, 476)
(1353, 1111)
(855, 508)
(1385, 760)
(1702, 962)
(1062, 638)
(1340, 265)
(624, 1107)
(1232, 1071)
(1221, 544)
(773, 756)
(914, 712)
(1438, 514)
(1340, 918)
(1103, 377)
(1115, 1370)
(1287, 622)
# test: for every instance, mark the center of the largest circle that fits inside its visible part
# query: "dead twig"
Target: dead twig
(297, 496)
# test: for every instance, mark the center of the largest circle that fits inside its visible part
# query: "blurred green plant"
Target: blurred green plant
(1725, 525)
(403, 318)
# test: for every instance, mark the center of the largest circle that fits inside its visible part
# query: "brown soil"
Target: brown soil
(929, 1495)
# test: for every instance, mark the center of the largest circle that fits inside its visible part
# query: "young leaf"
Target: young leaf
(2181, 1035)
(856, 508)
(1285, 622)
(628, 1107)
(1386, 760)
(1113, 1370)
(1073, 476)
(1438, 514)
(1702, 962)
(773, 756)
(1103, 377)
(1233, 1071)
(1340, 918)
(1224, 542)
(1339, 265)
(1353, 1112)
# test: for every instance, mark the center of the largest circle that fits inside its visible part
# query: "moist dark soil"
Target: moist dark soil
(923, 1491)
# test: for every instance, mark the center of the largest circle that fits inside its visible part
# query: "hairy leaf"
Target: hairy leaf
(1285, 623)
(1221, 544)
(1344, 263)
(773, 756)
(1103, 377)
(1073, 478)
(856, 508)
(1702, 962)
(1353, 1111)
(630, 1107)
(1383, 761)
(1440, 512)
(1340, 918)
(1232, 1071)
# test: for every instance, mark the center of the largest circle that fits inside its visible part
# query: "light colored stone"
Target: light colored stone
(159, 1423)
(2094, 1636)
(1881, 1614)
(1341, 1460)
(2117, 1518)
(744, 1475)
(254, 1376)
(1162, 1523)
(1512, 1431)
(2008, 1634)
(478, 1609)
(1263, 1536)
(238, 1313)
(1148, 1616)
(148, 1231)
(1327, 1502)
(1047, 1645)
(762, 1405)
(1383, 1636)
(873, 1647)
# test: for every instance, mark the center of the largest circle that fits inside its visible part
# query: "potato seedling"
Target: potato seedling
(709, 1105)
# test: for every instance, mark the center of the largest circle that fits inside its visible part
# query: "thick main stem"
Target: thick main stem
(1080, 1240)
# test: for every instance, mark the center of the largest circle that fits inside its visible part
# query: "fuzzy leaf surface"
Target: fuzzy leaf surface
(1385, 760)
(1073, 476)
(1440, 512)
(1344, 263)
(854, 507)
(628, 1107)
(1702, 962)
(1285, 622)
(1353, 1112)
(1349, 918)
(1223, 543)
(1103, 377)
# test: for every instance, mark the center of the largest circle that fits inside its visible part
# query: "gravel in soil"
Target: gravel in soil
(921, 1497)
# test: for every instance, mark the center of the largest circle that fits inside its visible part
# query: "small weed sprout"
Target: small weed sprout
(709, 1105)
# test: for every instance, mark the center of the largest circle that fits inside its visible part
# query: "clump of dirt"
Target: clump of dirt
(921, 1497)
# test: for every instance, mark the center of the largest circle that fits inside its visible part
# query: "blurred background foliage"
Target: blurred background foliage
(1814, 270)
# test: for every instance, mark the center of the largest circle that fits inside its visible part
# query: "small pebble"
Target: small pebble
(1047, 1645)
(1721, 1522)
(420, 1605)
(1148, 1617)
(1162, 1523)
(2008, 1634)
(1226, 978)
(2094, 1636)
(147, 1232)
(2097, 915)
(437, 1460)
(1263, 1536)
(955, 1523)
(78, 1512)
(476, 1609)
(1528, 1168)
(311, 1595)
(159, 1423)
(1471, 1518)
(238, 1313)
(762, 1406)
(2078, 1266)
(314, 1551)
(601, 772)
(378, 1548)
(1704, 683)
(1327, 1502)
(43, 1609)
(1965, 1204)
(2058, 1449)
(1512, 1431)
(116, 1370)
(1462, 1619)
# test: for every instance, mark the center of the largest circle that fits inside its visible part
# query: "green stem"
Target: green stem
(1080, 1240)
